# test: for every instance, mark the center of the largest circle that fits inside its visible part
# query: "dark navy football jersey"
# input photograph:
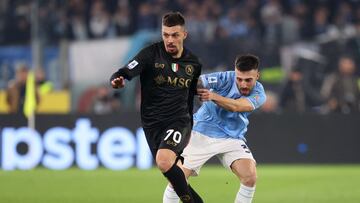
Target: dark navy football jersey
(168, 84)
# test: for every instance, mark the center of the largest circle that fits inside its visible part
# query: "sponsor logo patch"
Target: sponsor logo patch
(159, 65)
(212, 79)
(159, 79)
(132, 64)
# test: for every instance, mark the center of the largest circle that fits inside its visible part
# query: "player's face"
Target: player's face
(174, 39)
(246, 80)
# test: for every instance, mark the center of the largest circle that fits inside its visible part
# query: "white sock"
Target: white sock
(245, 194)
(170, 195)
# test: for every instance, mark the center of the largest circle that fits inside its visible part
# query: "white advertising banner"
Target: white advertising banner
(94, 61)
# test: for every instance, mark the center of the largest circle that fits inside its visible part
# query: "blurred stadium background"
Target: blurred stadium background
(85, 142)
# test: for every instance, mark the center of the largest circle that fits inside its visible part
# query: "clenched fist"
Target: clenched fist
(118, 82)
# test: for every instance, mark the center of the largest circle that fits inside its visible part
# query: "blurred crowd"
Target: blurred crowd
(324, 78)
(16, 90)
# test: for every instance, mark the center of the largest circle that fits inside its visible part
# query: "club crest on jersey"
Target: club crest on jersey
(132, 64)
(174, 67)
(189, 69)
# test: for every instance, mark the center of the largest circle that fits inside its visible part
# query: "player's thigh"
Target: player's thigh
(233, 150)
(175, 136)
(153, 139)
(172, 136)
(199, 150)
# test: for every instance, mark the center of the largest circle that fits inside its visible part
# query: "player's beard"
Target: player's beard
(172, 50)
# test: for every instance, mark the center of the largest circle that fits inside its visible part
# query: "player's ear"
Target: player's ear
(258, 75)
(185, 34)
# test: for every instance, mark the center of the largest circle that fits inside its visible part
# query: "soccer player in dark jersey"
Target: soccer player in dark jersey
(168, 76)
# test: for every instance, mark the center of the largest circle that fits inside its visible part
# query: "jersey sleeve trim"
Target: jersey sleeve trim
(252, 104)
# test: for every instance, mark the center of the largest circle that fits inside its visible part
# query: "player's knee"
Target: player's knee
(245, 170)
(165, 159)
(164, 166)
(249, 180)
(164, 163)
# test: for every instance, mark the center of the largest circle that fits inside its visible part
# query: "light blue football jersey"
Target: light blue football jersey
(214, 121)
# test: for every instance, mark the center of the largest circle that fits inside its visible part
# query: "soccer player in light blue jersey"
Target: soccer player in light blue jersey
(220, 125)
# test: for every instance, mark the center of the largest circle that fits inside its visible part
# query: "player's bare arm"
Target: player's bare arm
(200, 84)
(234, 105)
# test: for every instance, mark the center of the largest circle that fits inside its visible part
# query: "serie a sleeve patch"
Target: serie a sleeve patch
(212, 80)
(132, 64)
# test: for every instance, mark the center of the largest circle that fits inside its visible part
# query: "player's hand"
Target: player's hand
(204, 94)
(118, 82)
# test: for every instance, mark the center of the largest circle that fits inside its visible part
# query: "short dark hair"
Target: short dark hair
(247, 62)
(173, 19)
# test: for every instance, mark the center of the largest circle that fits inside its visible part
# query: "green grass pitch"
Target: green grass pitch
(276, 183)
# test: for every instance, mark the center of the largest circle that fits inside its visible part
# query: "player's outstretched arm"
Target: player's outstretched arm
(234, 105)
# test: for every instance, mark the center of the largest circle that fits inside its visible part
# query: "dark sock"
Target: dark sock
(196, 196)
(177, 178)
